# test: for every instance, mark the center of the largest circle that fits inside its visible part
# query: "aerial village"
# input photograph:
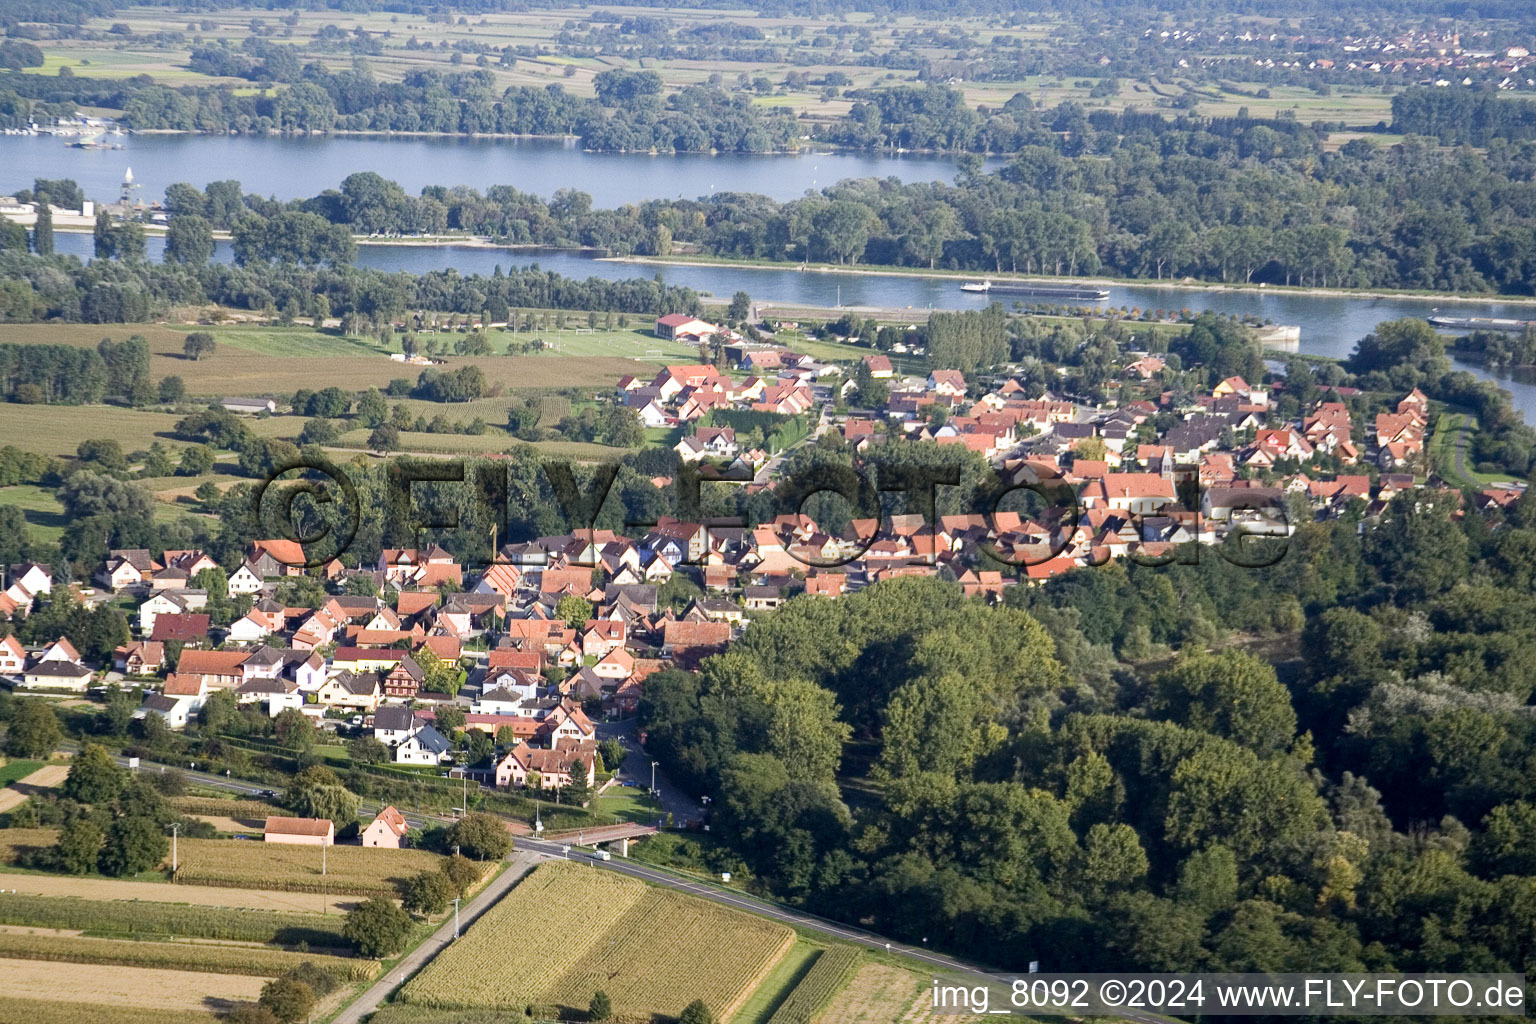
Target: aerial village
(496, 644)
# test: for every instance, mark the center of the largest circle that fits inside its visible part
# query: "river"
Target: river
(296, 166)
(1330, 324)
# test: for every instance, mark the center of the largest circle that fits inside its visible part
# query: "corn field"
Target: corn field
(180, 956)
(134, 918)
(825, 979)
(349, 870)
(671, 949)
(653, 951)
(39, 1011)
(498, 966)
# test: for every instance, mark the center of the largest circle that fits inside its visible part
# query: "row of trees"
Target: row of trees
(694, 119)
(35, 287)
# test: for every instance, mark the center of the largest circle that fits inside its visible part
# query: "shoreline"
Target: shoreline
(365, 133)
(866, 270)
(484, 242)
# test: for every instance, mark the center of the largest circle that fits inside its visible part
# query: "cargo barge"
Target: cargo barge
(1480, 323)
(1068, 293)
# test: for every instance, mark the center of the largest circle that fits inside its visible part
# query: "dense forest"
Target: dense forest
(1019, 789)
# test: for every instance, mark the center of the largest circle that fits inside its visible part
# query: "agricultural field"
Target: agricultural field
(827, 976)
(38, 1011)
(653, 951)
(124, 917)
(13, 841)
(14, 771)
(204, 957)
(352, 870)
(252, 360)
(880, 994)
(718, 955)
(45, 516)
(146, 991)
(38, 884)
(15, 794)
(791, 969)
(523, 970)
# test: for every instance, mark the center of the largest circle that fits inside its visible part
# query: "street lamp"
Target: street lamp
(653, 778)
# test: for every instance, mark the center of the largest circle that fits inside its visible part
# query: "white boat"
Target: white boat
(976, 286)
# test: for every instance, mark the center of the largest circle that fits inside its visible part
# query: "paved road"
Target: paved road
(637, 769)
(771, 467)
(529, 852)
(379, 991)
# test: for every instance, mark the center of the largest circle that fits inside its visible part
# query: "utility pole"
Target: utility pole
(456, 917)
(323, 852)
(175, 834)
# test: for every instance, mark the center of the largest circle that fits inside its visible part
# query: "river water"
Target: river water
(1330, 324)
(289, 167)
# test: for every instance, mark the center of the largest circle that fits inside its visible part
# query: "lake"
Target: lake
(1330, 324)
(293, 166)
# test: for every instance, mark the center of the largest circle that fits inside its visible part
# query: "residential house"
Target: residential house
(137, 658)
(56, 675)
(245, 580)
(174, 711)
(34, 577)
(386, 830)
(950, 383)
(352, 691)
(169, 603)
(126, 568)
(423, 746)
(216, 670)
(13, 656)
(688, 642)
(879, 367)
(186, 627)
(61, 650)
(403, 681)
(551, 768)
(1129, 492)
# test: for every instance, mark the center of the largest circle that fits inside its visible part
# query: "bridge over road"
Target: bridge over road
(599, 834)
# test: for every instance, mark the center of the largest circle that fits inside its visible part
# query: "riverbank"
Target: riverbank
(1183, 284)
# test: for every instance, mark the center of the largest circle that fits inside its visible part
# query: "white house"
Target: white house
(248, 629)
(245, 580)
(56, 675)
(61, 650)
(277, 694)
(13, 656)
(424, 746)
(37, 579)
(176, 711)
(170, 603)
